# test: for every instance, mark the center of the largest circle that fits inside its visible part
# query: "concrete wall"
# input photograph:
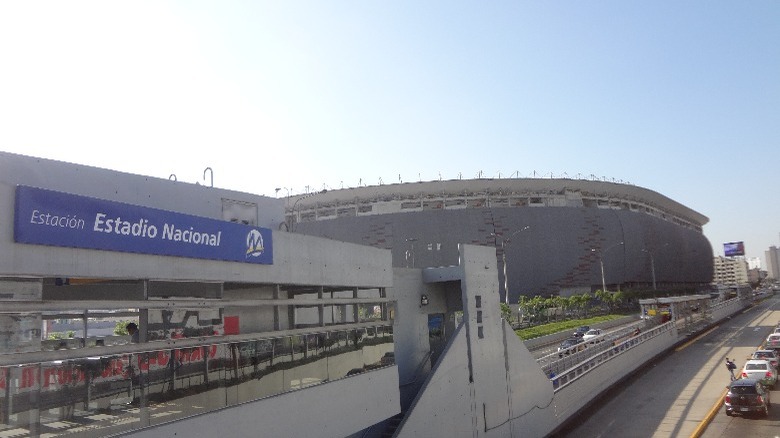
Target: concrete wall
(553, 255)
(298, 259)
(575, 396)
(727, 308)
(410, 327)
(491, 386)
(445, 408)
(484, 385)
(165, 194)
(314, 411)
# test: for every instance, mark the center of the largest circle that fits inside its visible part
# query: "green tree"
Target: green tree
(537, 307)
(585, 301)
(565, 305)
(604, 298)
(506, 312)
(120, 328)
(617, 299)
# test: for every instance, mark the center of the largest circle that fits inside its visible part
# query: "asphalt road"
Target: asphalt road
(672, 395)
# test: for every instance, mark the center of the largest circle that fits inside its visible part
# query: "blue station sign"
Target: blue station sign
(47, 217)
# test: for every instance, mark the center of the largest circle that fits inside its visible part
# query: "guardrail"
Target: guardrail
(577, 364)
(568, 365)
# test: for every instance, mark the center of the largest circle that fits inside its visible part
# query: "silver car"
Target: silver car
(760, 370)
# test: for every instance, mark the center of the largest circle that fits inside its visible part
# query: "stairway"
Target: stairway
(392, 425)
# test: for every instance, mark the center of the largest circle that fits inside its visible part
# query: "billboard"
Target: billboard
(732, 249)
(47, 217)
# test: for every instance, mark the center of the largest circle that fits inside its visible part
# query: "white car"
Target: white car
(769, 355)
(761, 370)
(773, 341)
(590, 334)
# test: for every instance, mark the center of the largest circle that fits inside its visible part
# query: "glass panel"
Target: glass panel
(105, 395)
(369, 312)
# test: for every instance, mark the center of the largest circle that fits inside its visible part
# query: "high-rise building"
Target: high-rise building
(773, 262)
(730, 271)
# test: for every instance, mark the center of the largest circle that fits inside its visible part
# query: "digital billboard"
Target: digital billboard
(732, 249)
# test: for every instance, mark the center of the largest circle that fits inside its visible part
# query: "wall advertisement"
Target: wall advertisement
(47, 217)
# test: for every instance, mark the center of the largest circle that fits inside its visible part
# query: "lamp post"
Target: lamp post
(601, 262)
(504, 243)
(652, 261)
(652, 265)
(293, 218)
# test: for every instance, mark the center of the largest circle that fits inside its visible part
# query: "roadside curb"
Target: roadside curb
(710, 416)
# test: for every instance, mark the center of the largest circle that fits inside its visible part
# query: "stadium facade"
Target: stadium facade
(553, 233)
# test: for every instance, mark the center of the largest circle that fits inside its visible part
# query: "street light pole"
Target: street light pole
(601, 262)
(504, 243)
(652, 266)
(603, 280)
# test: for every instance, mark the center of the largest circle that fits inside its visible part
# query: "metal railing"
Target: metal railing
(111, 393)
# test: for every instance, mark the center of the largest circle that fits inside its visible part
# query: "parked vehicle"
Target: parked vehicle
(747, 396)
(580, 332)
(769, 355)
(761, 370)
(773, 341)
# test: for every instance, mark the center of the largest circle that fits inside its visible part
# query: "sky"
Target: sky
(682, 98)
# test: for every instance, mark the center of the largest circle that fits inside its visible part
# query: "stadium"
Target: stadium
(556, 236)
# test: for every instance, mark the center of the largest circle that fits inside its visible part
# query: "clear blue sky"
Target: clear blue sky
(679, 97)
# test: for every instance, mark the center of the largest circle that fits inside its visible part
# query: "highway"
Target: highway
(675, 395)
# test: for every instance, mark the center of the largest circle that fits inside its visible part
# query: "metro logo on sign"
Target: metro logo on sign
(47, 217)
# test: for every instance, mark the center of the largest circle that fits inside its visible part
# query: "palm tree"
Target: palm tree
(565, 303)
(586, 299)
(575, 301)
(602, 296)
(618, 298)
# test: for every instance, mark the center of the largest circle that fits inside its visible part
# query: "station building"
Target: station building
(250, 328)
